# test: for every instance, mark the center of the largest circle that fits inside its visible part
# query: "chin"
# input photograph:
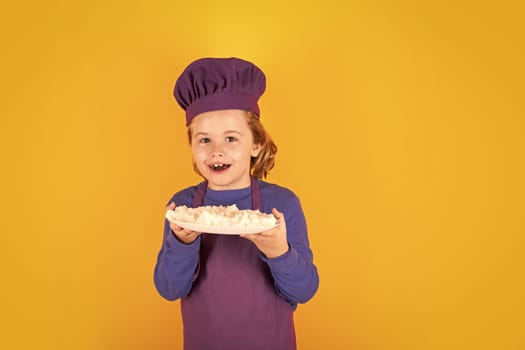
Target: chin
(227, 183)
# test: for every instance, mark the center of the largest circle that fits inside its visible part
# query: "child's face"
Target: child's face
(222, 147)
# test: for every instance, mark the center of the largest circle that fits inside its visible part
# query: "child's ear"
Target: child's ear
(256, 149)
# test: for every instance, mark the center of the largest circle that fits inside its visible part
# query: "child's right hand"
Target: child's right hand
(183, 235)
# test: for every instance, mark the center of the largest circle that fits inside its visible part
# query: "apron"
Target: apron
(233, 304)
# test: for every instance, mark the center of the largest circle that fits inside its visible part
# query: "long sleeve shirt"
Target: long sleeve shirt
(232, 296)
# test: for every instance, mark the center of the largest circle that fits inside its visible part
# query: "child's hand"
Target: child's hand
(183, 235)
(272, 243)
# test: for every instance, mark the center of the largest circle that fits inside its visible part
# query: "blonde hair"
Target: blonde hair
(261, 165)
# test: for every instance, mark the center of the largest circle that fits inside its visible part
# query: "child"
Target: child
(238, 292)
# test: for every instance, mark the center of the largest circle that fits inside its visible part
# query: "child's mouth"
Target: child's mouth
(219, 166)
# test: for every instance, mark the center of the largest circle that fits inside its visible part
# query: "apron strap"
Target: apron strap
(256, 195)
(198, 197)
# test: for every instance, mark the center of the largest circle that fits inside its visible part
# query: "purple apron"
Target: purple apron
(233, 304)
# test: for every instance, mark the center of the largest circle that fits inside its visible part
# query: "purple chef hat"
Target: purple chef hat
(211, 84)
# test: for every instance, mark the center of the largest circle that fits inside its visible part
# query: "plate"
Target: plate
(223, 230)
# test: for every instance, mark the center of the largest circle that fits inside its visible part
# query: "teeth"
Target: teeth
(218, 165)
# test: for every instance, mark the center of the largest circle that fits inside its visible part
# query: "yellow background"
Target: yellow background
(399, 125)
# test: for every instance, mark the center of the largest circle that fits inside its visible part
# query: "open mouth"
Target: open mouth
(219, 166)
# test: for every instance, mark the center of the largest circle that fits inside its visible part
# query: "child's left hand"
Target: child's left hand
(272, 243)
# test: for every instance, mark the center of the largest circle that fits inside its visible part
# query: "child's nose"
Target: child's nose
(217, 151)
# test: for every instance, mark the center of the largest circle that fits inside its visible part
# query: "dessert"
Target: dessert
(220, 216)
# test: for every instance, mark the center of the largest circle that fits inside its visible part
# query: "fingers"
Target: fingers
(183, 235)
(175, 227)
(261, 236)
(181, 230)
(258, 239)
(247, 236)
(280, 218)
(271, 243)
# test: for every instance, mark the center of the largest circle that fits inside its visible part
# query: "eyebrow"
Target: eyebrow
(202, 133)
(232, 131)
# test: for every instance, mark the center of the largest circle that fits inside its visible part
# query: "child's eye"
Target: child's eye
(231, 139)
(204, 140)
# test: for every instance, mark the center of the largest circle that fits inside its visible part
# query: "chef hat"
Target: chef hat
(211, 84)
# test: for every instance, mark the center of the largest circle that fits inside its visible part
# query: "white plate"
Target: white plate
(223, 230)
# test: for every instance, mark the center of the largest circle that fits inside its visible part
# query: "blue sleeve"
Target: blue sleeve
(295, 275)
(177, 266)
